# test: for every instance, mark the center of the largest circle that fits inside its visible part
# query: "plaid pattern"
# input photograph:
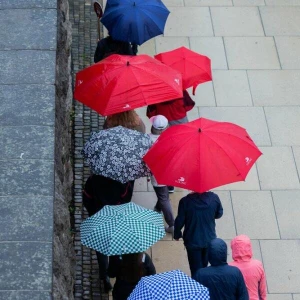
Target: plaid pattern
(173, 285)
(121, 229)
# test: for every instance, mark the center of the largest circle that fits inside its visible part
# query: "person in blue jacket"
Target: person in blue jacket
(197, 213)
(223, 281)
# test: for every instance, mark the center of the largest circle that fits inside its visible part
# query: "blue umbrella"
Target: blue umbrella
(135, 21)
(173, 285)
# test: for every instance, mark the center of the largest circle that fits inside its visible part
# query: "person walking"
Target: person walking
(99, 191)
(160, 124)
(128, 270)
(252, 269)
(222, 280)
(197, 213)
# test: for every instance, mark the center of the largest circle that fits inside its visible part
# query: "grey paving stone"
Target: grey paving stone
(275, 88)
(277, 170)
(208, 2)
(281, 262)
(279, 297)
(288, 213)
(27, 142)
(282, 122)
(166, 43)
(26, 219)
(199, 23)
(248, 2)
(169, 3)
(278, 20)
(25, 266)
(296, 152)
(27, 66)
(145, 199)
(204, 95)
(20, 104)
(22, 295)
(283, 2)
(36, 29)
(213, 47)
(232, 88)
(236, 21)
(251, 118)
(252, 211)
(296, 297)
(26, 177)
(288, 50)
(28, 4)
(251, 53)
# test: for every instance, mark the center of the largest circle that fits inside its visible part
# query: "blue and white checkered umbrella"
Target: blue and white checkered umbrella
(173, 285)
(121, 229)
(117, 153)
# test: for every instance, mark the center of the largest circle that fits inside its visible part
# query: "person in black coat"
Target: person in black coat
(128, 270)
(223, 281)
(197, 213)
(98, 192)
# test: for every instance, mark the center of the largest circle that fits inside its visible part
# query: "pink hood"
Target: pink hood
(241, 248)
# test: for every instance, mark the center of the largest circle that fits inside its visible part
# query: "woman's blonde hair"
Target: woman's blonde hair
(128, 119)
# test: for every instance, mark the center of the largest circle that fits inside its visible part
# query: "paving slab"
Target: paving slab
(232, 88)
(252, 211)
(208, 2)
(140, 185)
(279, 297)
(26, 266)
(21, 295)
(27, 67)
(27, 142)
(193, 114)
(167, 43)
(296, 152)
(169, 3)
(296, 296)
(33, 224)
(272, 88)
(277, 170)
(288, 213)
(26, 177)
(251, 53)
(251, 118)
(236, 21)
(288, 49)
(35, 30)
(19, 104)
(282, 122)
(248, 2)
(145, 199)
(147, 48)
(278, 20)
(199, 22)
(204, 95)
(282, 265)
(4, 4)
(283, 2)
(213, 47)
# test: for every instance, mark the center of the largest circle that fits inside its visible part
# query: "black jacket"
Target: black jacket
(197, 213)
(224, 282)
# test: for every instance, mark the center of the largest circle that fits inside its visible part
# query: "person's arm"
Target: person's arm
(179, 221)
(113, 266)
(262, 285)
(150, 268)
(242, 292)
(100, 51)
(219, 211)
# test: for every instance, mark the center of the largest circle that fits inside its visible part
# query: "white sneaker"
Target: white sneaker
(169, 229)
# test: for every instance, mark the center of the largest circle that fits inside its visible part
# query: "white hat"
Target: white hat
(159, 122)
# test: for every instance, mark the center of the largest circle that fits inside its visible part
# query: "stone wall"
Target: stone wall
(63, 252)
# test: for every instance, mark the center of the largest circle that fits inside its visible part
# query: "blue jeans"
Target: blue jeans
(197, 258)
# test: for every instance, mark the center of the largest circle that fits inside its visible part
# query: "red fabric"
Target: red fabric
(252, 269)
(202, 155)
(194, 67)
(121, 82)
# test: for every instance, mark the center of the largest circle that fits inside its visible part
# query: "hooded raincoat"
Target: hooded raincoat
(224, 282)
(252, 269)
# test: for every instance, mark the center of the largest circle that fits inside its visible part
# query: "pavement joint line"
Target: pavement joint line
(250, 88)
(275, 212)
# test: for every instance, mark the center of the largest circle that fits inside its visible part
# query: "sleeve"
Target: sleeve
(219, 211)
(113, 266)
(242, 292)
(149, 266)
(127, 191)
(262, 287)
(179, 221)
(151, 111)
(100, 51)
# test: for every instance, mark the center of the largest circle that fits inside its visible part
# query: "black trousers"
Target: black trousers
(197, 258)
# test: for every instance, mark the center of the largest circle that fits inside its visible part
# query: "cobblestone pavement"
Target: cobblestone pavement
(84, 22)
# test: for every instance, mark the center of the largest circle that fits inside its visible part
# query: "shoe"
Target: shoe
(107, 285)
(171, 189)
(169, 229)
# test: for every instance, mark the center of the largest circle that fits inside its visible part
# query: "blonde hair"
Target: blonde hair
(128, 119)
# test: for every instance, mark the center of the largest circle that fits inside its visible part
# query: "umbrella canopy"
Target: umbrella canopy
(122, 229)
(135, 21)
(120, 82)
(194, 67)
(173, 285)
(117, 153)
(202, 154)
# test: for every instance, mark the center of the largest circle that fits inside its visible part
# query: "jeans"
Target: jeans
(197, 258)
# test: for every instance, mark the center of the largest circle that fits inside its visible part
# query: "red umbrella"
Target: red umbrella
(120, 82)
(194, 67)
(202, 155)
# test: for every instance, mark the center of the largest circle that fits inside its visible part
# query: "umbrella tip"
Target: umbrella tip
(199, 130)
(128, 63)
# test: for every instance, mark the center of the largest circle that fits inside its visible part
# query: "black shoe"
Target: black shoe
(171, 189)
(107, 285)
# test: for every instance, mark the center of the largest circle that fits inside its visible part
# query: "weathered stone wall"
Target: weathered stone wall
(63, 252)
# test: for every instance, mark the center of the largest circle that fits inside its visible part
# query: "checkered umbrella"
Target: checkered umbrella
(173, 285)
(117, 153)
(121, 229)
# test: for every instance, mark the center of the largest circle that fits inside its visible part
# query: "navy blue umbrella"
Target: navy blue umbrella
(135, 21)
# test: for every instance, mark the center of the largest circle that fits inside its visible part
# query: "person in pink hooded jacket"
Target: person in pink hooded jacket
(252, 269)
